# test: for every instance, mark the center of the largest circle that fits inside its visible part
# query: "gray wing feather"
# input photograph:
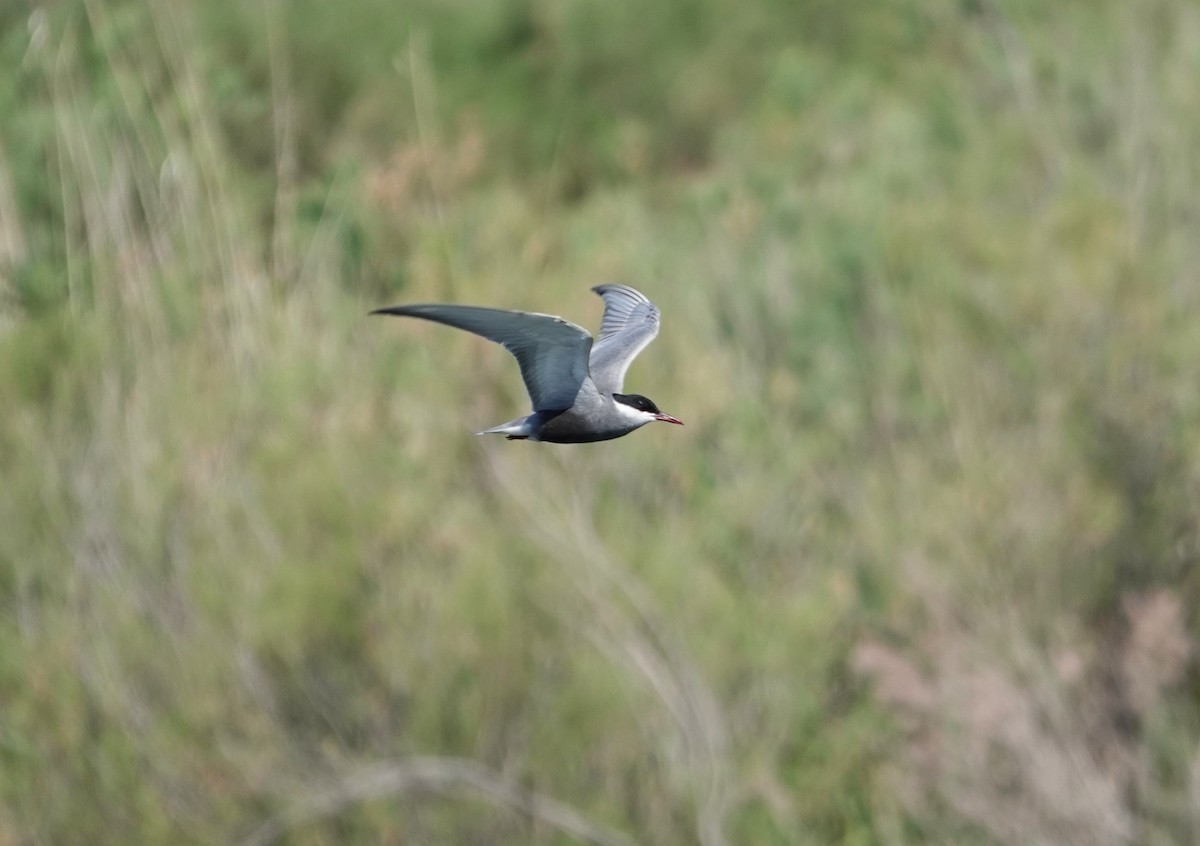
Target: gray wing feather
(552, 352)
(630, 322)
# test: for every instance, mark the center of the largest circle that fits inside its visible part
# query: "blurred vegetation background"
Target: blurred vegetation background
(921, 567)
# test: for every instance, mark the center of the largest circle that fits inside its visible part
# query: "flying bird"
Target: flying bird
(574, 384)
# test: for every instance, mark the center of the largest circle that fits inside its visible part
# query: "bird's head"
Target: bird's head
(643, 409)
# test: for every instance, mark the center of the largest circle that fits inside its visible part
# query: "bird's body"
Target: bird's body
(593, 417)
(574, 384)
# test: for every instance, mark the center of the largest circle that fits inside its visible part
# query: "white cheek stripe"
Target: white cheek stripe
(632, 414)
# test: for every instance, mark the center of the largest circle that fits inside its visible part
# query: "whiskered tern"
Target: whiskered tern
(574, 384)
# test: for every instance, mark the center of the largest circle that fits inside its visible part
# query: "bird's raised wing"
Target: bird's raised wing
(630, 322)
(552, 352)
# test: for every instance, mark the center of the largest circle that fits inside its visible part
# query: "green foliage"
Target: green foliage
(920, 568)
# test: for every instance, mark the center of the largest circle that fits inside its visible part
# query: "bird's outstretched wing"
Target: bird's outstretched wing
(552, 352)
(630, 322)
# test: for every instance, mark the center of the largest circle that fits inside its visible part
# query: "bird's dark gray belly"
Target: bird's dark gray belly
(569, 427)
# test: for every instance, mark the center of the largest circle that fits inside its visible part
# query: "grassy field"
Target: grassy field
(921, 568)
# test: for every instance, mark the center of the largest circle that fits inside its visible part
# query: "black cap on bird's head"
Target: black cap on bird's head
(641, 403)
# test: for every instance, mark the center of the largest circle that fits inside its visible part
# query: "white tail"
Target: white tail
(518, 428)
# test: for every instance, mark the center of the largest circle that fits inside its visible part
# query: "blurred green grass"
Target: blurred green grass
(921, 567)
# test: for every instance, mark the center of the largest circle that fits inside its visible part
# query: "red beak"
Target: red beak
(666, 418)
